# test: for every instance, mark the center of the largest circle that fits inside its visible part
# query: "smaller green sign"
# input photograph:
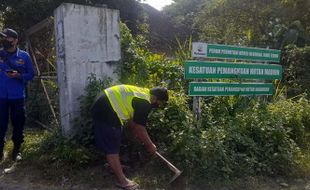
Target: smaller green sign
(235, 52)
(200, 70)
(229, 89)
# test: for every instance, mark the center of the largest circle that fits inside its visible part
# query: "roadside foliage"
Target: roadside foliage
(234, 136)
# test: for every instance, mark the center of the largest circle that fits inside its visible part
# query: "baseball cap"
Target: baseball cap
(9, 33)
(160, 92)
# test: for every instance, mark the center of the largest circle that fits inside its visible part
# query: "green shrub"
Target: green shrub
(296, 69)
(242, 136)
(295, 117)
(52, 150)
(83, 124)
(142, 68)
(173, 131)
(235, 136)
(79, 149)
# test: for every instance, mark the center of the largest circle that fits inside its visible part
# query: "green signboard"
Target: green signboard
(235, 52)
(200, 70)
(229, 89)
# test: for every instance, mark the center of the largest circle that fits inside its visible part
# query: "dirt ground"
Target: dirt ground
(27, 177)
(30, 175)
(97, 177)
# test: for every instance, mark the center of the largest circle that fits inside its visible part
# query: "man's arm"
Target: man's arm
(24, 75)
(29, 73)
(142, 135)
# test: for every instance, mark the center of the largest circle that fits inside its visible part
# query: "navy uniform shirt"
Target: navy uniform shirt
(13, 88)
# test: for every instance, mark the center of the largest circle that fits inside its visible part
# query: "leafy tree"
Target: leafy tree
(296, 74)
(293, 10)
(22, 14)
(182, 13)
(273, 23)
(293, 34)
(242, 22)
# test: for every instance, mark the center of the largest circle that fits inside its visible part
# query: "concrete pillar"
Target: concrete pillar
(87, 41)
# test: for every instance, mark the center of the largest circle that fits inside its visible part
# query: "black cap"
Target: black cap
(160, 92)
(9, 33)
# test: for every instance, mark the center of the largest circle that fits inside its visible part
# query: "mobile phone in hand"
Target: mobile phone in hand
(11, 71)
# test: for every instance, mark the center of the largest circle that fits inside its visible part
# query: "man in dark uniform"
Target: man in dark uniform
(15, 71)
(116, 106)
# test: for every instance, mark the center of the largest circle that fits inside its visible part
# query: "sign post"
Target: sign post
(200, 70)
(235, 52)
(229, 70)
(229, 89)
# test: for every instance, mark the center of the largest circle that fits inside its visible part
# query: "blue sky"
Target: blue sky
(158, 4)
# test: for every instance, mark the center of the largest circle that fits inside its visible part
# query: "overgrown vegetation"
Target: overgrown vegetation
(256, 23)
(296, 63)
(21, 15)
(235, 136)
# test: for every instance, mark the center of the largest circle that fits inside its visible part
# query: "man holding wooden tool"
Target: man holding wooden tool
(116, 106)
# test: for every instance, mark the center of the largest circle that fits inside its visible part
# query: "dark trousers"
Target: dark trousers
(16, 110)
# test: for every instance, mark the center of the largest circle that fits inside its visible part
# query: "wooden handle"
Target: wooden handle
(171, 166)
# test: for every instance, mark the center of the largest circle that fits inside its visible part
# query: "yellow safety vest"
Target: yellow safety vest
(121, 96)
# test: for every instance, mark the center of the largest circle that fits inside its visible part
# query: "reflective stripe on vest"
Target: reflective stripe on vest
(121, 96)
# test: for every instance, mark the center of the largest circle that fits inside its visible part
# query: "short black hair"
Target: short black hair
(161, 93)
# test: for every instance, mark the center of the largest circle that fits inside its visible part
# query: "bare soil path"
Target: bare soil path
(97, 178)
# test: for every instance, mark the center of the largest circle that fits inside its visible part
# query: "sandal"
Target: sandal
(133, 186)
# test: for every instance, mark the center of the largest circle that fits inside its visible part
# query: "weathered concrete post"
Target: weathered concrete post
(87, 41)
